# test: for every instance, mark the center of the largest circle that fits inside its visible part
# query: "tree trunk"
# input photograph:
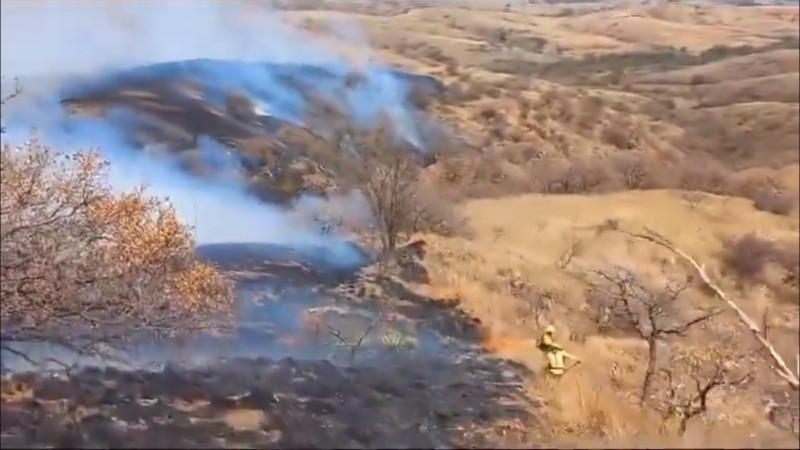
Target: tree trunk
(682, 425)
(652, 359)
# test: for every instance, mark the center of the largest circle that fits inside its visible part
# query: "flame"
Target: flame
(505, 343)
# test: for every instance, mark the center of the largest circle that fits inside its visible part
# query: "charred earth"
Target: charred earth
(308, 366)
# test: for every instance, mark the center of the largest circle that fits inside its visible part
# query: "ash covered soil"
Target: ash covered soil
(292, 383)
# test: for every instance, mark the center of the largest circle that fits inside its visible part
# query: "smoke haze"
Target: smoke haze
(47, 39)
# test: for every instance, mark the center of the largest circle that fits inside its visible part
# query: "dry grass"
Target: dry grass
(726, 73)
(517, 245)
(245, 419)
(646, 97)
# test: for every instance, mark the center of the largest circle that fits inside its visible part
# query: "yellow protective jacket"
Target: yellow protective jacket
(547, 344)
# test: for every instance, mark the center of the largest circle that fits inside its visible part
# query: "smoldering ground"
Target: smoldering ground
(442, 391)
(439, 391)
(86, 50)
(100, 42)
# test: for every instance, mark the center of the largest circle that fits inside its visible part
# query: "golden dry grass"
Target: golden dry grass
(525, 237)
(747, 103)
(461, 32)
(751, 100)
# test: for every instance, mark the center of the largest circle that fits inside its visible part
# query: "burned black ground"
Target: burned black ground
(443, 392)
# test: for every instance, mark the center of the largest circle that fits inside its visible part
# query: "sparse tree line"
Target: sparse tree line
(492, 175)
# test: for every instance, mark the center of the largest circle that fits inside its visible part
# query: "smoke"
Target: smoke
(84, 37)
(51, 40)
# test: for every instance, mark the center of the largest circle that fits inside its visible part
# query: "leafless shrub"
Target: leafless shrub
(747, 255)
(634, 170)
(239, 106)
(525, 107)
(777, 363)
(535, 301)
(774, 201)
(465, 91)
(354, 345)
(783, 410)
(704, 175)
(697, 79)
(488, 113)
(622, 300)
(692, 375)
(580, 175)
(83, 264)
(494, 92)
(452, 69)
(619, 135)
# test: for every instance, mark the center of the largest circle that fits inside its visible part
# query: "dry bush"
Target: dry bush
(80, 262)
(579, 175)
(748, 255)
(466, 91)
(622, 301)
(693, 374)
(419, 97)
(436, 54)
(774, 201)
(705, 175)
(619, 135)
(488, 113)
(777, 363)
(635, 170)
(628, 170)
(693, 199)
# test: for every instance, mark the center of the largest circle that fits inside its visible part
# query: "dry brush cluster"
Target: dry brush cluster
(692, 358)
(82, 264)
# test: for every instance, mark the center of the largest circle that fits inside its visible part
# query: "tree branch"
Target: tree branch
(781, 368)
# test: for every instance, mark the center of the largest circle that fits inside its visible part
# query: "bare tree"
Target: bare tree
(652, 313)
(389, 190)
(388, 175)
(86, 268)
(779, 366)
(692, 375)
(354, 346)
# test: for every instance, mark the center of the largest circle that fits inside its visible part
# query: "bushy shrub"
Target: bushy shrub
(77, 256)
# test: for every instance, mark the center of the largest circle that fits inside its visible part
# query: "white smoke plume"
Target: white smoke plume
(47, 39)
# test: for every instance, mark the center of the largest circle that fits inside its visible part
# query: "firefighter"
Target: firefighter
(554, 352)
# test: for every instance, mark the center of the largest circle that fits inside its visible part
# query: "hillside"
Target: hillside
(513, 273)
(469, 172)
